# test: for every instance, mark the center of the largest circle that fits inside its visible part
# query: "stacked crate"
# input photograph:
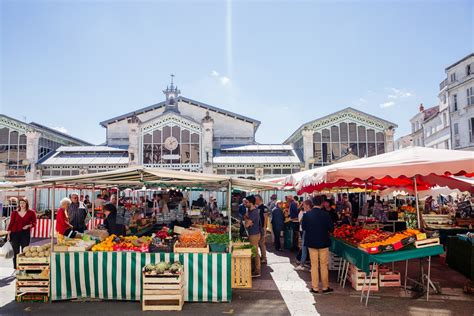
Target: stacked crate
(335, 262)
(241, 269)
(32, 282)
(389, 278)
(163, 292)
(357, 278)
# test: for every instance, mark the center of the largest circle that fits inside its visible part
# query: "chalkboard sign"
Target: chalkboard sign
(464, 210)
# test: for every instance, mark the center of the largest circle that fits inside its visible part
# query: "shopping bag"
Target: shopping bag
(7, 251)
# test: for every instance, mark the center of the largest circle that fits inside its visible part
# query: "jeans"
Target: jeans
(277, 237)
(304, 250)
(319, 261)
(295, 226)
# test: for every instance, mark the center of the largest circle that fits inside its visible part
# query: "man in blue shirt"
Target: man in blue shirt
(317, 225)
(295, 223)
(242, 212)
(252, 223)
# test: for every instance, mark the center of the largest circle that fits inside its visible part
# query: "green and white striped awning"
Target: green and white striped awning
(117, 275)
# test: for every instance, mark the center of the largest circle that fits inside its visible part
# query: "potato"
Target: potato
(26, 249)
(34, 254)
(28, 254)
(40, 254)
(34, 249)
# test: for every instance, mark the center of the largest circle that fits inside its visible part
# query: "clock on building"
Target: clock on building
(171, 143)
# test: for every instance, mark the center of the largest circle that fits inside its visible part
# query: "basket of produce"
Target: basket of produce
(215, 229)
(218, 242)
(35, 254)
(191, 241)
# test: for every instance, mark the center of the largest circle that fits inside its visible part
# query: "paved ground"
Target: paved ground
(280, 291)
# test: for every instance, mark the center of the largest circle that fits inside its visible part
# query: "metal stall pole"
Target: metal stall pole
(52, 221)
(49, 198)
(229, 206)
(418, 217)
(93, 207)
(34, 201)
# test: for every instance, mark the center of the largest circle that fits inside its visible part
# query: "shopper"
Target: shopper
(318, 225)
(346, 215)
(110, 221)
(63, 226)
(252, 223)
(77, 213)
(99, 201)
(21, 222)
(278, 224)
(295, 224)
(242, 211)
(307, 206)
(263, 212)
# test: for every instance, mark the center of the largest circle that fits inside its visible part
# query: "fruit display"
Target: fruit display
(37, 251)
(163, 268)
(215, 229)
(390, 239)
(129, 243)
(192, 239)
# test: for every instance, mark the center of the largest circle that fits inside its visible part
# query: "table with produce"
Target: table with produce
(111, 267)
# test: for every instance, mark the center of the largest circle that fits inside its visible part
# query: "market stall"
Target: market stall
(112, 269)
(43, 227)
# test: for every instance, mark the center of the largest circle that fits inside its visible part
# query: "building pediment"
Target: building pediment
(170, 118)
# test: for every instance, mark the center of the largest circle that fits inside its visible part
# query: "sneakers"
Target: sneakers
(300, 268)
(328, 290)
(256, 275)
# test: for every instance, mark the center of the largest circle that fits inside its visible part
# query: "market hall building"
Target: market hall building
(183, 134)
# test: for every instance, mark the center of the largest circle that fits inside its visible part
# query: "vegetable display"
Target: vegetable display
(192, 239)
(129, 243)
(252, 247)
(215, 229)
(222, 239)
(37, 251)
(162, 268)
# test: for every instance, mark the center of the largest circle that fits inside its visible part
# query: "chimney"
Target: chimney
(422, 108)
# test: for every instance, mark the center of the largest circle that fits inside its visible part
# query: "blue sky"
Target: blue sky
(72, 64)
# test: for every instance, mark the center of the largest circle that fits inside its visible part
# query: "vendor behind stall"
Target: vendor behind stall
(63, 226)
(110, 222)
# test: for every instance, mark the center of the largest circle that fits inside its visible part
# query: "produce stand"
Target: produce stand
(118, 275)
(363, 260)
(113, 269)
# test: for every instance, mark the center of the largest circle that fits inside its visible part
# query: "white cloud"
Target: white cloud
(398, 93)
(223, 80)
(61, 129)
(362, 100)
(387, 104)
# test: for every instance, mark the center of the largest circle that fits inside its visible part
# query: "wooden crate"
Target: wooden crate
(389, 279)
(357, 278)
(427, 243)
(163, 292)
(241, 269)
(33, 297)
(179, 249)
(21, 259)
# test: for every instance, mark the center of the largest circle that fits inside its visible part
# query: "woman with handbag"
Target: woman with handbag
(21, 222)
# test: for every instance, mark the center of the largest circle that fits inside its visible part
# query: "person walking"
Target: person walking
(263, 212)
(318, 225)
(307, 206)
(278, 224)
(252, 223)
(21, 222)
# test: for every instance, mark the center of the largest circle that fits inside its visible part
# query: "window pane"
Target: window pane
(22, 153)
(240, 171)
(362, 150)
(317, 151)
(220, 171)
(352, 132)
(353, 147)
(325, 152)
(3, 153)
(147, 154)
(250, 171)
(334, 134)
(344, 149)
(185, 153)
(157, 136)
(147, 139)
(157, 154)
(343, 132)
(56, 173)
(325, 135)
(195, 153)
(317, 137)
(185, 136)
(371, 149)
(194, 138)
(13, 137)
(4, 136)
(336, 151)
(166, 132)
(370, 136)
(267, 171)
(362, 136)
(176, 133)
(380, 137)
(276, 171)
(286, 171)
(380, 148)
(13, 155)
(22, 139)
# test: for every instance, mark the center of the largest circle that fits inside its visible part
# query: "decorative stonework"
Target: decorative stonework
(169, 119)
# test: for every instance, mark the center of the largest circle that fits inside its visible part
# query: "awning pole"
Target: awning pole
(52, 221)
(49, 197)
(416, 200)
(34, 201)
(93, 207)
(229, 206)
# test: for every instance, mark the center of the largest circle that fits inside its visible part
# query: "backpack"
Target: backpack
(123, 217)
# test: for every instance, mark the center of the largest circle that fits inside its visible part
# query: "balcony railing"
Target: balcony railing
(443, 84)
